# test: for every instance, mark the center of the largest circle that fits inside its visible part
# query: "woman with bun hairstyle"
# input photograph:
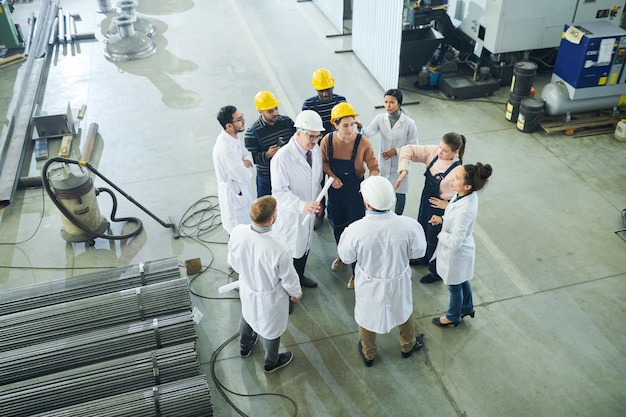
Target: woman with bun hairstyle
(456, 251)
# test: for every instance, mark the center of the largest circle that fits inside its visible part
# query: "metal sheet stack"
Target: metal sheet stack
(107, 340)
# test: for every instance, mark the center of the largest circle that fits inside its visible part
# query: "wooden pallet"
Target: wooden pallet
(582, 124)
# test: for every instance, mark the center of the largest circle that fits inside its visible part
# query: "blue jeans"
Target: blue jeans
(246, 340)
(460, 301)
(400, 203)
(263, 185)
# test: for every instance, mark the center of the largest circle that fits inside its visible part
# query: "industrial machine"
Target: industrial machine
(589, 70)
(9, 37)
(504, 31)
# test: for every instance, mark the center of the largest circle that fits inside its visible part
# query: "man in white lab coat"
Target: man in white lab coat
(296, 175)
(381, 244)
(233, 169)
(267, 282)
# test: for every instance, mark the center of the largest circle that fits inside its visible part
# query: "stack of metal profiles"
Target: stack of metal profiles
(94, 346)
(183, 398)
(120, 341)
(51, 322)
(104, 379)
(88, 285)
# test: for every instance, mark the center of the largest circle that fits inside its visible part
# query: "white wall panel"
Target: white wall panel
(333, 10)
(376, 37)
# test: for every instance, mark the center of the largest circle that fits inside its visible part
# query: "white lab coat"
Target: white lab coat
(382, 244)
(295, 183)
(233, 180)
(266, 279)
(404, 132)
(456, 251)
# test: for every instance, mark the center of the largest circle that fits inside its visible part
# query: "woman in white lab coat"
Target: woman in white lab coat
(396, 130)
(456, 251)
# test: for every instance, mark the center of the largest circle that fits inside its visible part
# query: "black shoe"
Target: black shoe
(419, 343)
(367, 362)
(307, 282)
(246, 353)
(419, 261)
(283, 360)
(437, 321)
(468, 314)
(429, 278)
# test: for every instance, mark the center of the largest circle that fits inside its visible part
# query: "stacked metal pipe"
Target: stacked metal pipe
(100, 380)
(119, 341)
(183, 398)
(95, 346)
(88, 285)
(33, 326)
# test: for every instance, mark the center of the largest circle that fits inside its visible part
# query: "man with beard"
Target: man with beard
(233, 169)
(266, 136)
(322, 103)
(296, 173)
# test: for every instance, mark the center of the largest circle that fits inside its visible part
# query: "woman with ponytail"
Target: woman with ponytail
(440, 160)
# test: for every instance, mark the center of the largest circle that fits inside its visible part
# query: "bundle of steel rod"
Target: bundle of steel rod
(33, 326)
(88, 285)
(95, 346)
(184, 398)
(101, 380)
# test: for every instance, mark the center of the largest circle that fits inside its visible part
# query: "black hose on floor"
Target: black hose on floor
(86, 230)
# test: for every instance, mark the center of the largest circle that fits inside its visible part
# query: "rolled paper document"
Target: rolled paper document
(329, 182)
(228, 287)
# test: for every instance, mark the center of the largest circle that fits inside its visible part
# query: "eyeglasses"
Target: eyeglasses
(311, 137)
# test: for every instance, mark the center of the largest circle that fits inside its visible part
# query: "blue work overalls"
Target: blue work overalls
(345, 204)
(426, 211)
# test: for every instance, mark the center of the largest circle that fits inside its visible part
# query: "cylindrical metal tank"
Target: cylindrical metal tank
(74, 189)
(557, 101)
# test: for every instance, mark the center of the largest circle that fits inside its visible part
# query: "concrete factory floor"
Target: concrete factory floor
(549, 336)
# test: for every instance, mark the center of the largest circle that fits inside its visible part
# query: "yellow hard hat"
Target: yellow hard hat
(265, 100)
(342, 109)
(322, 79)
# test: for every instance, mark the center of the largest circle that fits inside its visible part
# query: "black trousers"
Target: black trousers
(300, 263)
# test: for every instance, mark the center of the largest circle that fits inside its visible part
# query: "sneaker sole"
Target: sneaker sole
(279, 367)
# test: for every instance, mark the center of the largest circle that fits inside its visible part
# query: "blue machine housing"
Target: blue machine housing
(596, 61)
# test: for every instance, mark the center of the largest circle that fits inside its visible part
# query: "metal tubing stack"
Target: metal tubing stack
(100, 380)
(183, 398)
(33, 326)
(88, 285)
(120, 341)
(94, 346)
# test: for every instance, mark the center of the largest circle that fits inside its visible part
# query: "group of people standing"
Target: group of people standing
(292, 160)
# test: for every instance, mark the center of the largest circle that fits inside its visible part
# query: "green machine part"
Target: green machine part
(8, 33)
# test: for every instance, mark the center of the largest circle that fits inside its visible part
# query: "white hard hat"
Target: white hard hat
(309, 120)
(378, 192)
